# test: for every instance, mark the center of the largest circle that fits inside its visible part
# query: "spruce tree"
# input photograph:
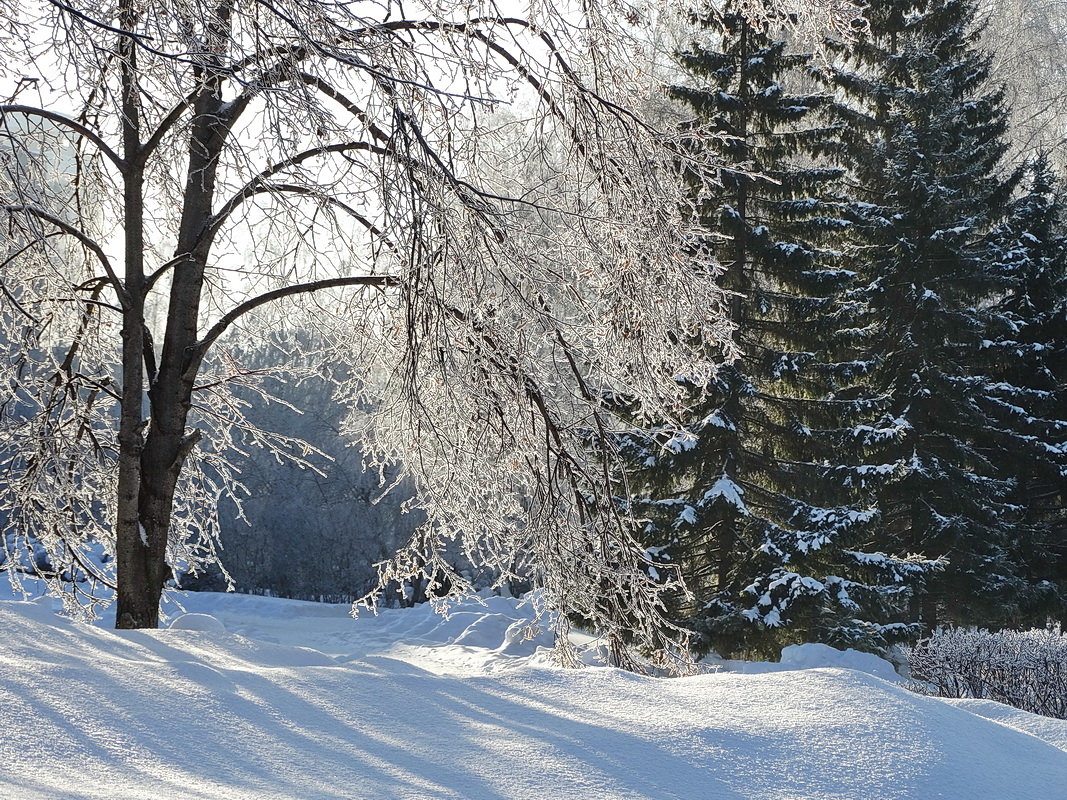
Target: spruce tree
(924, 154)
(1026, 354)
(773, 548)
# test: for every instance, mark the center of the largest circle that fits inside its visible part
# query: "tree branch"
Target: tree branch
(234, 111)
(67, 122)
(137, 37)
(307, 191)
(349, 106)
(220, 327)
(258, 184)
(170, 121)
(89, 243)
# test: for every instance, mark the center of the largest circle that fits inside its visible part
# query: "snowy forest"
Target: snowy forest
(887, 454)
(758, 341)
(496, 399)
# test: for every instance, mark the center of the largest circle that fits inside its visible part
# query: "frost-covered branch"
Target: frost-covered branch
(499, 176)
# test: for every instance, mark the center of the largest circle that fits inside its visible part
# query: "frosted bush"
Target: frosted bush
(1024, 669)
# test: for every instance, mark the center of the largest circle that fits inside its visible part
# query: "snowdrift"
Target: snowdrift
(280, 699)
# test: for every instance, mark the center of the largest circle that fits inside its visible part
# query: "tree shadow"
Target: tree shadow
(186, 716)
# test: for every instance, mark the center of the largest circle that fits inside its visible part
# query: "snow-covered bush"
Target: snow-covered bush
(1025, 669)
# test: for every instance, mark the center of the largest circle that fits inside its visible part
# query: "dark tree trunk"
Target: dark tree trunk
(151, 464)
(138, 605)
(153, 451)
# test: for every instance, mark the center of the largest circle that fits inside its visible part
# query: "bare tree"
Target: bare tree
(169, 167)
(1028, 40)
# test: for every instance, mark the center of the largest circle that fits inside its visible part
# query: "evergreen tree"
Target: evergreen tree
(1027, 354)
(773, 548)
(927, 138)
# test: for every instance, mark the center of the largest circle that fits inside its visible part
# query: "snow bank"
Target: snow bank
(808, 656)
(406, 705)
(1053, 731)
(811, 656)
(197, 622)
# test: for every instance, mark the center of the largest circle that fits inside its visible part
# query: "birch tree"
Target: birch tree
(170, 167)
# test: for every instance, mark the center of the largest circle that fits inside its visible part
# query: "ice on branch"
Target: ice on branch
(470, 209)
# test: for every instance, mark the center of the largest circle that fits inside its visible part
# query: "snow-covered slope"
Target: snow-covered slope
(385, 707)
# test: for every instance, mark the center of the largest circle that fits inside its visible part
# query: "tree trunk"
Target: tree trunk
(138, 605)
(150, 465)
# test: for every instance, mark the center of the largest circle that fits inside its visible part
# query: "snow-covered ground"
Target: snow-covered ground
(271, 698)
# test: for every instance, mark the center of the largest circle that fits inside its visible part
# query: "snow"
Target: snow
(814, 656)
(688, 516)
(680, 442)
(298, 700)
(716, 419)
(197, 622)
(806, 656)
(1053, 731)
(729, 491)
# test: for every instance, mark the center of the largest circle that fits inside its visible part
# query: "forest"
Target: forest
(758, 341)
(887, 454)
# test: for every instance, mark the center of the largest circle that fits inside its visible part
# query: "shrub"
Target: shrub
(1024, 669)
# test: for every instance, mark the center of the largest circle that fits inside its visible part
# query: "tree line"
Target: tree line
(889, 453)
